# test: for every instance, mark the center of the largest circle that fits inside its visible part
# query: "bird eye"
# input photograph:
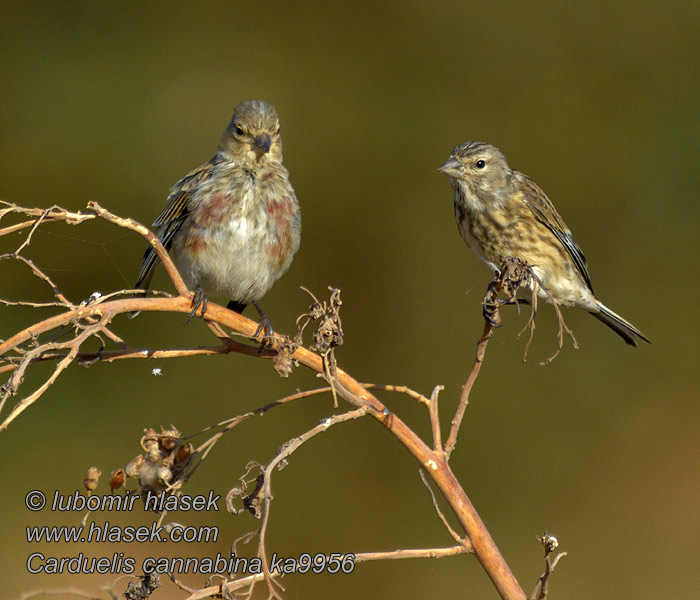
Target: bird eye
(480, 164)
(238, 130)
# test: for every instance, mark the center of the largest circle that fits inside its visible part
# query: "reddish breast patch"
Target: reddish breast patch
(280, 210)
(195, 245)
(214, 209)
(195, 242)
(281, 214)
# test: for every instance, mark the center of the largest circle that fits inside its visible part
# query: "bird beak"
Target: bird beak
(451, 167)
(262, 143)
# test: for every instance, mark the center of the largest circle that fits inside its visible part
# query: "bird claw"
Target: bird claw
(264, 329)
(198, 300)
(491, 304)
(492, 315)
(517, 302)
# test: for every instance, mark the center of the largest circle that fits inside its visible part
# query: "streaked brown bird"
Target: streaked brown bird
(501, 212)
(233, 225)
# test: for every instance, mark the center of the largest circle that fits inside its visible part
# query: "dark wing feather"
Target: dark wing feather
(545, 212)
(170, 220)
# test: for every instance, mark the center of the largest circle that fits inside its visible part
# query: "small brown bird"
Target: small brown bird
(501, 212)
(233, 225)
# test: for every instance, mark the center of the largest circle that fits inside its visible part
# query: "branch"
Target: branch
(228, 587)
(93, 317)
(467, 388)
(412, 553)
(550, 544)
(465, 543)
(287, 450)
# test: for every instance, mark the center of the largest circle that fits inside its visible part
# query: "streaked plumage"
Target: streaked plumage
(501, 212)
(233, 225)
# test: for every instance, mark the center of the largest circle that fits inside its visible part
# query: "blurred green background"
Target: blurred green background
(598, 102)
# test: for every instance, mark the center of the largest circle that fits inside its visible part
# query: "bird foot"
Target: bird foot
(492, 315)
(198, 300)
(491, 304)
(264, 329)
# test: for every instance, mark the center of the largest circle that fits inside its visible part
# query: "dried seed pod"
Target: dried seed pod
(134, 468)
(117, 479)
(92, 478)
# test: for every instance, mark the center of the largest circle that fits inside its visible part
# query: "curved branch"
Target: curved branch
(433, 460)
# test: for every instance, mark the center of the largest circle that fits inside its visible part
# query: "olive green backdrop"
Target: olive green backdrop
(114, 102)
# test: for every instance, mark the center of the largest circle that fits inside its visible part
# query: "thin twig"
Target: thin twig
(25, 403)
(57, 592)
(465, 543)
(108, 356)
(62, 300)
(435, 418)
(152, 239)
(411, 553)
(550, 544)
(229, 424)
(467, 388)
(401, 389)
(250, 581)
(287, 450)
(229, 587)
(346, 386)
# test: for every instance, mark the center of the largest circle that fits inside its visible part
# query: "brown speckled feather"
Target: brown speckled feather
(501, 212)
(170, 220)
(545, 212)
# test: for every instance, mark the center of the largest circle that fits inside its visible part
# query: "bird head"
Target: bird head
(253, 133)
(479, 170)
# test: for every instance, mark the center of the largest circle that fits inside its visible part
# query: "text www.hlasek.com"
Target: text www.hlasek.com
(111, 533)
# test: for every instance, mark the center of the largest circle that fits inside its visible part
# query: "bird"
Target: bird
(501, 212)
(233, 225)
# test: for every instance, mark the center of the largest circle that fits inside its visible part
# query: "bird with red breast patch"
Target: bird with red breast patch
(233, 225)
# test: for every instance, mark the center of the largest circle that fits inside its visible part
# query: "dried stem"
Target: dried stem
(287, 450)
(228, 587)
(550, 544)
(465, 543)
(467, 388)
(57, 592)
(563, 328)
(411, 553)
(24, 347)
(435, 418)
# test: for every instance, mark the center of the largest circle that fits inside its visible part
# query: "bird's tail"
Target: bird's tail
(625, 330)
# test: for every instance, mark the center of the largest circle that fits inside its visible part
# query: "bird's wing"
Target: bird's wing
(170, 220)
(180, 193)
(537, 201)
